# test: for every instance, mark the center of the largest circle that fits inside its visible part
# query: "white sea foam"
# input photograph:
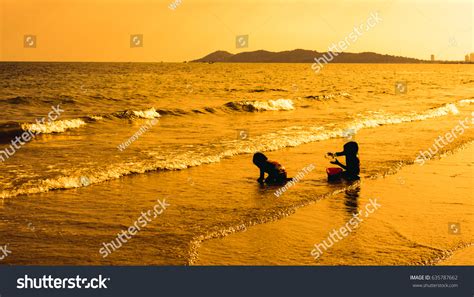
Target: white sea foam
(96, 117)
(280, 104)
(53, 127)
(270, 105)
(465, 102)
(147, 113)
(150, 113)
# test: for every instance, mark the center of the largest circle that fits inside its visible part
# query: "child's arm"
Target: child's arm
(261, 179)
(334, 155)
(339, 164)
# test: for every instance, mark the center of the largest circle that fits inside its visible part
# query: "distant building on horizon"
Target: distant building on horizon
(432, 58)
(466, 58)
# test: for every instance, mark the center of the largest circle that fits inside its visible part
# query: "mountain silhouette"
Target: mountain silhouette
(302, 56)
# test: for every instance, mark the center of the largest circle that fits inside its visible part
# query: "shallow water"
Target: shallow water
(407, 223)
(210, 118)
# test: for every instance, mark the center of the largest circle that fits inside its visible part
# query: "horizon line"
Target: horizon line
(191, 61)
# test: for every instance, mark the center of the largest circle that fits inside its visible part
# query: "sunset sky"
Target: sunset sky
(99, 30)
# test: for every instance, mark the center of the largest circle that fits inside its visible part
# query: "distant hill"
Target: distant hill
(218, 56)
(302, 56)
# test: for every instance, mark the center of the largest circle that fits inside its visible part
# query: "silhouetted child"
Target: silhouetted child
(352, 167)
(276, 172)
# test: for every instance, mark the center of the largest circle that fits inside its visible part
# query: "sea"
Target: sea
(130, 134)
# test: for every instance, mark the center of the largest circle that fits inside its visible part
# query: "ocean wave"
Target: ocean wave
(465, 102)
(328, 96)
(237, 106)
(11, 129)
(288, 137)
(59, 126)
(150, 113)
(96, 118)
(53, 127)
(18, 100)
(255, 106)
(175, 112)
(259, 90)
(386, 119)
(28, 100)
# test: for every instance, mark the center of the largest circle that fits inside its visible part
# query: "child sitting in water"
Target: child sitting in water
(352, 167)
(276, 172)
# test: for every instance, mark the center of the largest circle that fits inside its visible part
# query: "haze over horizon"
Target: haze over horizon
(100, 30)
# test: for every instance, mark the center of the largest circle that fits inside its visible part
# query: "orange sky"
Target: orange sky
(99, 30)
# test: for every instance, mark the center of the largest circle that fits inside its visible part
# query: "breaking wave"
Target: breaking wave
(288, 137)
(14, 128)
(255, 106)
(53, 127)
(150, 113)
(329, 96)
(10, 129)
(465, 102)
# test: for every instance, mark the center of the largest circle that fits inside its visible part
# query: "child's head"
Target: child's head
(351, 148)
(259, 159)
